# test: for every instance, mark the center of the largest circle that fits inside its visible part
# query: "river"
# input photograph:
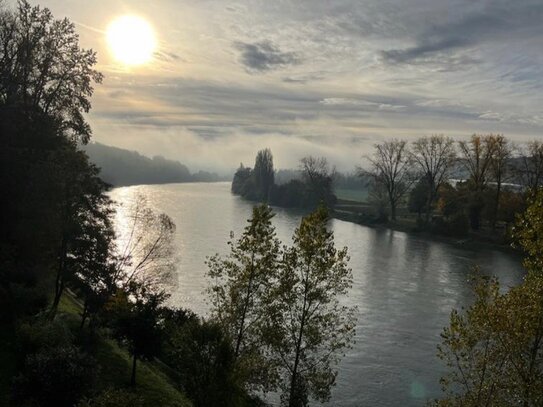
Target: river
(404, 286)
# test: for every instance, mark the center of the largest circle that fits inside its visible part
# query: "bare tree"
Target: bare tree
(499, 168)
(319, 177)
(477, 157)
(434, 156)
(145, 252)
(392, 170)
(530, 168)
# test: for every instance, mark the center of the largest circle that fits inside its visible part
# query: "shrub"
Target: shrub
(55, 377)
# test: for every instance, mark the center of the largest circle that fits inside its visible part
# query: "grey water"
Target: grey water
(405, 287)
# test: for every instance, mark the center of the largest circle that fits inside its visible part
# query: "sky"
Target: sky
(326, 78)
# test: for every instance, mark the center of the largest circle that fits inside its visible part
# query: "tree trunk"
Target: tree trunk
(84, 315)
(133, 376)
(496, 205)
(297, 358)
(393, 211)
(59, 281)
(245, 308)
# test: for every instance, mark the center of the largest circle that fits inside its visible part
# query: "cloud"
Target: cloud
(446, 40)
(340, 101)
(167, 56)
(264, 56)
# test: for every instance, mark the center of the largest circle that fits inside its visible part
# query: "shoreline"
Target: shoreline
(471, 239)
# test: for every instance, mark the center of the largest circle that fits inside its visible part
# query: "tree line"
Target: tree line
(121, 167)
(485, 178)
(310, 187)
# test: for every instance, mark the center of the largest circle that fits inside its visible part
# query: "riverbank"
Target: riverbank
(353, 211)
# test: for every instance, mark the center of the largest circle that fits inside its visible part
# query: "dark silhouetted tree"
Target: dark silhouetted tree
(135, 316)
(264, 174)
(434, 156)
(392, 169)
(476, 158)
(319, 180)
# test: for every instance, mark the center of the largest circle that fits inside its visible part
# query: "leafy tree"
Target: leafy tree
(264, 174)
(45, 86)
(84, 222)
(308, 328)
(203, 357)
(434, 157)
(494, 350)
(241, 178)
(319, 180)
(240, 293)
(42, 67)
(136, 321)
(55, 377)
(392, 170)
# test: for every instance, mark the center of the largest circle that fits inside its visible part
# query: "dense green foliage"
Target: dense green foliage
(280, 307)
(240, 293)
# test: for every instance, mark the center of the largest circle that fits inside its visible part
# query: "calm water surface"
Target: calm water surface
(404, 287)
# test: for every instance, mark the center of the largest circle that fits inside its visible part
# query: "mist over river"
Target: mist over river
(404, 286)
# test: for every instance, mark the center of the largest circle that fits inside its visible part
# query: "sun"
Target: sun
(131, 40)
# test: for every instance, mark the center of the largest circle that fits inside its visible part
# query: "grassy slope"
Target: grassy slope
(152, 383)
(356, 195)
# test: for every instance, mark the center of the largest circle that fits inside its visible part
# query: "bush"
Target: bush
(457, 225)
(42, 334)
(55, 377)
(204, 360)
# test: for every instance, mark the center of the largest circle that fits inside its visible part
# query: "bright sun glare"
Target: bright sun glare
(131, 40)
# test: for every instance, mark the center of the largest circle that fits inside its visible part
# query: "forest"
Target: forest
(120, 167)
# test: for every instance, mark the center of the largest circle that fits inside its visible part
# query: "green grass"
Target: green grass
(153, 384)
(356, 195)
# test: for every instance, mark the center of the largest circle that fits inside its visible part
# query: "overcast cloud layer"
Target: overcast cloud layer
(314, 77)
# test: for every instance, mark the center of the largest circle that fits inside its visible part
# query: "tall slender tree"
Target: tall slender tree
(499, 168)
(264, 174)
(240, 294)
(308, 327)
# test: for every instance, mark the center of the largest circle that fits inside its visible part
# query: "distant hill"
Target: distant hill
(122, 167)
